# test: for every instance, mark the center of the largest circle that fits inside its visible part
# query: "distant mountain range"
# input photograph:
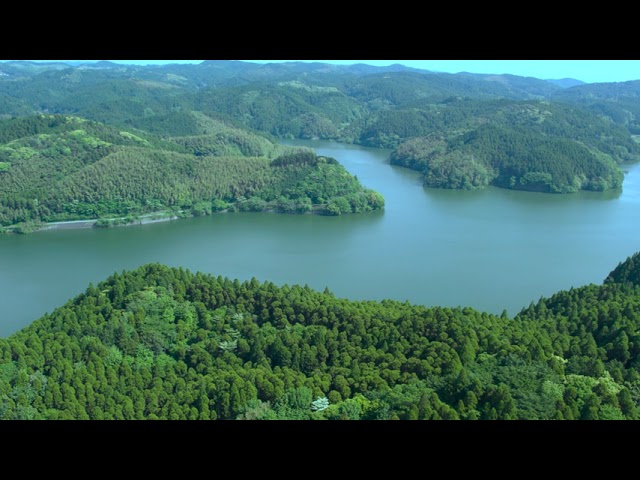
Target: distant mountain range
(258, 69)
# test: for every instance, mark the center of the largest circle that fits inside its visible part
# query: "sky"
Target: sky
(590, 71)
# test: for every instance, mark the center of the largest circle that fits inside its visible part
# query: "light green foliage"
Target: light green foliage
(609, 412)
(16, 153)
(144, 357)
(90, 141)
(552, 390)
(255, 410)
(131, 136)
(320, 404)
(459, 171)
(219, 205)
(228, 346)
(114, 357)
(298, 398)
(350, 409)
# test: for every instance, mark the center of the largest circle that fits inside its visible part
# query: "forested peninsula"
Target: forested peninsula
(57, 168)
(165, 343)
(535, 146)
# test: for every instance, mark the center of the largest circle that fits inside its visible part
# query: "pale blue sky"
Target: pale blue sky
(586, 70)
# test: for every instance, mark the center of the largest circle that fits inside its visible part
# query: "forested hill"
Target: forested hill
(533, 145)
(461, 130)
(57, 167)
(164, 343)
(619, 102)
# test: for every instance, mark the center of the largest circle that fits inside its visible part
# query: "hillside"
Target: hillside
(164, 343)
(286, 110)
(55, 168)
(534, 145)
(555, 136)
(566, 82)
(618, 102)
(410, 89)
(627, 272)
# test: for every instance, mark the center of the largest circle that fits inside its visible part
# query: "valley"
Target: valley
(311, 241)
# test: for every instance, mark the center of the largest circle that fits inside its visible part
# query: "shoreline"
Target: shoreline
(150, 218)
(81, 224)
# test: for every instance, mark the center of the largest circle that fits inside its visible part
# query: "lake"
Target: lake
(490, 250)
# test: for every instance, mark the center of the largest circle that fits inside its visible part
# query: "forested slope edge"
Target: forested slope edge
(164, 343)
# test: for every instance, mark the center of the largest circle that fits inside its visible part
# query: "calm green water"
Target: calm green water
(490, 249)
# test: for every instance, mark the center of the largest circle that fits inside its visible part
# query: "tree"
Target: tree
(320, 404)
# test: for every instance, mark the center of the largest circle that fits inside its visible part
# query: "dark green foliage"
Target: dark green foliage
(160, 342)
(627, 272)
(534, 146)
(300, 159)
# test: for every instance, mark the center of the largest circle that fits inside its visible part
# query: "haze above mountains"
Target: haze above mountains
(245, 66)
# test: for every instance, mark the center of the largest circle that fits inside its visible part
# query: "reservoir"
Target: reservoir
(491, 250)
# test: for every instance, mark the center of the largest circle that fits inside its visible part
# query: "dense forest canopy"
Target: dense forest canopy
(617, 102)
(533, 145)
(550, 136)
(59, 167)
(165, 343)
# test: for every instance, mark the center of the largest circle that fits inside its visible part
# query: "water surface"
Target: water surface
(489, 249)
